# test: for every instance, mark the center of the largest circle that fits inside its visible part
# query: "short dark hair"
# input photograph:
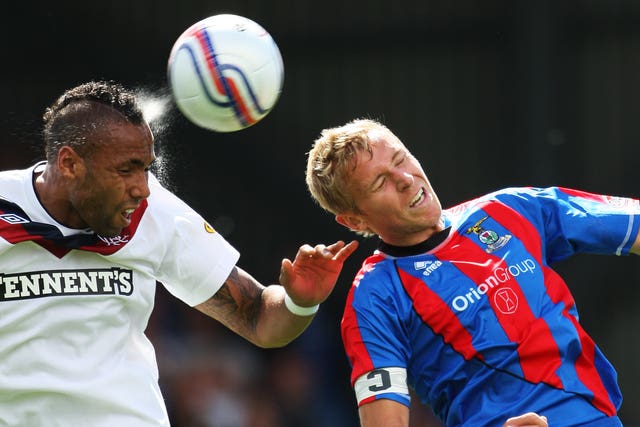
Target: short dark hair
(80, 110)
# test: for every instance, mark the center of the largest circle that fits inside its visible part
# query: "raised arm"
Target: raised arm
(259, 314)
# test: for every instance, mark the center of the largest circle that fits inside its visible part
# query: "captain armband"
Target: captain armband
(381, 381)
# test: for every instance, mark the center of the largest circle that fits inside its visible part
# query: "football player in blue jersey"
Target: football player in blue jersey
(461, 304)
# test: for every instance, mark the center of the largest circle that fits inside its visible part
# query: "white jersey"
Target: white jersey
(74, 307)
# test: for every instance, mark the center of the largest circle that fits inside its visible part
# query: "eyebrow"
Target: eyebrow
(139, 163)
(398, 152)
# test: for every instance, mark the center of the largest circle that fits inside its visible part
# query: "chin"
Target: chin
(109, 233)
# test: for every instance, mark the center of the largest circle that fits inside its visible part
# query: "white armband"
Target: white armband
(299, 310)
(381, 381)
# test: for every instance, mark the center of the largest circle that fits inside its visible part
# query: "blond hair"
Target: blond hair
(330, 160)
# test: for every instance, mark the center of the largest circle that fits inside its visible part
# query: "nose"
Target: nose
(403, 180)
(139, 189)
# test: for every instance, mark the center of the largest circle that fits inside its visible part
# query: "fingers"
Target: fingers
(337, 251)
(308, 251)
(285, 271)
(346, 251)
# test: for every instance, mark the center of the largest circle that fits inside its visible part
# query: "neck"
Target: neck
(415, 237)
(50, 191)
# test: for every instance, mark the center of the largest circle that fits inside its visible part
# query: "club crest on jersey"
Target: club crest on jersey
(490, 238)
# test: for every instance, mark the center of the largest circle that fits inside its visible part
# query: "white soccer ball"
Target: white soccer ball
(226, 73)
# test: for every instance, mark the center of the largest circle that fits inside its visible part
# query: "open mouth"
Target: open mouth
(418, 198)
(126, 214)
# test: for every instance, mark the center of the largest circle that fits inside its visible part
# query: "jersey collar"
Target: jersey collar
(419, 248)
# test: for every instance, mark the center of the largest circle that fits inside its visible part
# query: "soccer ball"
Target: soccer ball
(225, 73)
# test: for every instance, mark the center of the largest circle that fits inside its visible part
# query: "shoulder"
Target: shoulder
(536, 193)
(377, 267)
(16, 186)
(162, 196)
(166, 205)
(507, 196)
(17, 176)
(548, 199)
(377, 282)
(167, 216)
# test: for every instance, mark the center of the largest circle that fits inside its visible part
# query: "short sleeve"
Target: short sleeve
(577, 221)
(198, 260)
(375, 340)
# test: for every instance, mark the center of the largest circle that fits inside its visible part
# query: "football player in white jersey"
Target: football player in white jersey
(84, 238)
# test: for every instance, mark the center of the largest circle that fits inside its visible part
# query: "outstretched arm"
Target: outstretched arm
(259, 313)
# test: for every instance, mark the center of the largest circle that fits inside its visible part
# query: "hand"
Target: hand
(311, 277)
(529, 419)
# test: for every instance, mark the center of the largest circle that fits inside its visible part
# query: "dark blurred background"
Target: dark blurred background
(487, 94)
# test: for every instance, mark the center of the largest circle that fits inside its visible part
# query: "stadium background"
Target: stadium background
(487, 94)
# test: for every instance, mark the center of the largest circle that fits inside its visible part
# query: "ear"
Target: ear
(69, 162)
(352, 222)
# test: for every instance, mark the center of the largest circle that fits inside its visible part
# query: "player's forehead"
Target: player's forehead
(383, 149)
(382, 143)
(121, 141)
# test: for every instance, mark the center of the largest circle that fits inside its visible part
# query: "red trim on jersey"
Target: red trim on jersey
(367, 400)
(354, 345)
(49, 245)
(585, 363)
(584, 194)
(587, 372)
(558, 292)
(438, 316)
(520, 326)
(108, 246)
(50, 238)
(355, 348)
(535, 366)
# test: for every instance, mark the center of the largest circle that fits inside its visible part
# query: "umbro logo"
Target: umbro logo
(13, 218)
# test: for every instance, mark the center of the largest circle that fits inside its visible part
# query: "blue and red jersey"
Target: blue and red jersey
(476, 321)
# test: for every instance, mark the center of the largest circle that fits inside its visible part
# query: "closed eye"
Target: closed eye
(130, 166)
(398, 159)
(379, 184)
